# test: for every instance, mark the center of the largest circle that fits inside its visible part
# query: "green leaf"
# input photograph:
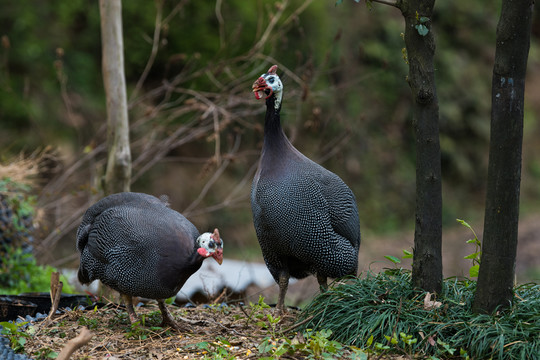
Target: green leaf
(464, 223)
(369, 341)
(473, 271)
(422, 29)
(393, 259)
(264, 347)
(21, 341)
(407, 254)
(203, 345)
(472, 256)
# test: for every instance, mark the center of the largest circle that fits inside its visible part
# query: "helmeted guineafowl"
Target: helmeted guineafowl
(305, 216)
(138, 246)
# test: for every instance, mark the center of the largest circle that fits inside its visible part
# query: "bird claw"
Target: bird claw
(173, 325)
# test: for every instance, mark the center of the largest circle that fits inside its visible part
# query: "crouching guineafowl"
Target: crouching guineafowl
(138, 246)
(305, 216)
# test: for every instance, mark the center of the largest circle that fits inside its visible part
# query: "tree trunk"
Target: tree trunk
(427, 262)
(118, 172)
(498, 259)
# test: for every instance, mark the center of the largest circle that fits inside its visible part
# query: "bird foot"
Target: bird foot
(168, 320)
(173, 325)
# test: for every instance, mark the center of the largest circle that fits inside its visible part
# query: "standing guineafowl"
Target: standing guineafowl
(138, 246)
(305, 216)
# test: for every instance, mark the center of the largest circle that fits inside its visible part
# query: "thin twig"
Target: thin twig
(289, 329)
(153, 52)
(273, 21)
(386, 2)
(221, 23)
(214, 177)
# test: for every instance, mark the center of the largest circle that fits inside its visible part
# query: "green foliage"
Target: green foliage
(218, 350)
(15, 197)
(19, 273)
(90, 323)
(16, 334)
(476, 255)
(316, 345)
(382, 313)
(45, 353)
(256, 311)
(421, 27)
(395, 260)
(140, 330)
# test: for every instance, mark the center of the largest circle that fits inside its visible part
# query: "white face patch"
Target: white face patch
(269, 84)
(274, 82)
(206, 242)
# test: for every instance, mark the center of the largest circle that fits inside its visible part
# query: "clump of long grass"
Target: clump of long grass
(377, 308)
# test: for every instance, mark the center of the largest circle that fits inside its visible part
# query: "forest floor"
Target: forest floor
(212, 332)
(248, 331)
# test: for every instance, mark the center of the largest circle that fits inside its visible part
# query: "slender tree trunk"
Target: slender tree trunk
(118, 173)
(497, 263)
(427, 262)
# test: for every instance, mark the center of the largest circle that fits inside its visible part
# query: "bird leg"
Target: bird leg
(128, 301)
(322, 280)
(167, 317)
(283, 284)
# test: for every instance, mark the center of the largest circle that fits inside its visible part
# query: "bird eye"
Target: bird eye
(271, 80)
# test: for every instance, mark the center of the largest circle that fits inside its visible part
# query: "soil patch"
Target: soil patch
(212, 332)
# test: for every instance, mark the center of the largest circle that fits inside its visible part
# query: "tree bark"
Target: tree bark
(427, 262)
(118, 172)
(498, 259)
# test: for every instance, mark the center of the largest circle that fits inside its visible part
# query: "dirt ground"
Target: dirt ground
(212, 332)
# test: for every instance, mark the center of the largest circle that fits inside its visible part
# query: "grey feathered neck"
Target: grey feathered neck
(272, 122)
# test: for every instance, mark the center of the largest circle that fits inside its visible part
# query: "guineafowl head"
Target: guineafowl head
(269, 84)
(210, 244)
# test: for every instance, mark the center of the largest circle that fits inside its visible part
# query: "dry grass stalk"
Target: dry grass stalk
(21, 170)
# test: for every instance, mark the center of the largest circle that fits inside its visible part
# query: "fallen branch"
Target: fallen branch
(72, 345)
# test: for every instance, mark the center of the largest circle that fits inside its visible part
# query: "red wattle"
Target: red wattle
(203, 252)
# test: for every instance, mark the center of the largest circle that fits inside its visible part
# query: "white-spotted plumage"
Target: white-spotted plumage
(137, 245)
(305, 217)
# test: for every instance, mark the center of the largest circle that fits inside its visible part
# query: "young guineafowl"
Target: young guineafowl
(138, 246)
(305, 216)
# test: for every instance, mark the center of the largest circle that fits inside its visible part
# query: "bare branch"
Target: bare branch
(214, 177)
(386, 2)
(153, 52)
(221, 22)
(273, 22)
(72, 345)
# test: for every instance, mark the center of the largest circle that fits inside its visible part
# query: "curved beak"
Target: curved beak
(218, 255)
(260, 88)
